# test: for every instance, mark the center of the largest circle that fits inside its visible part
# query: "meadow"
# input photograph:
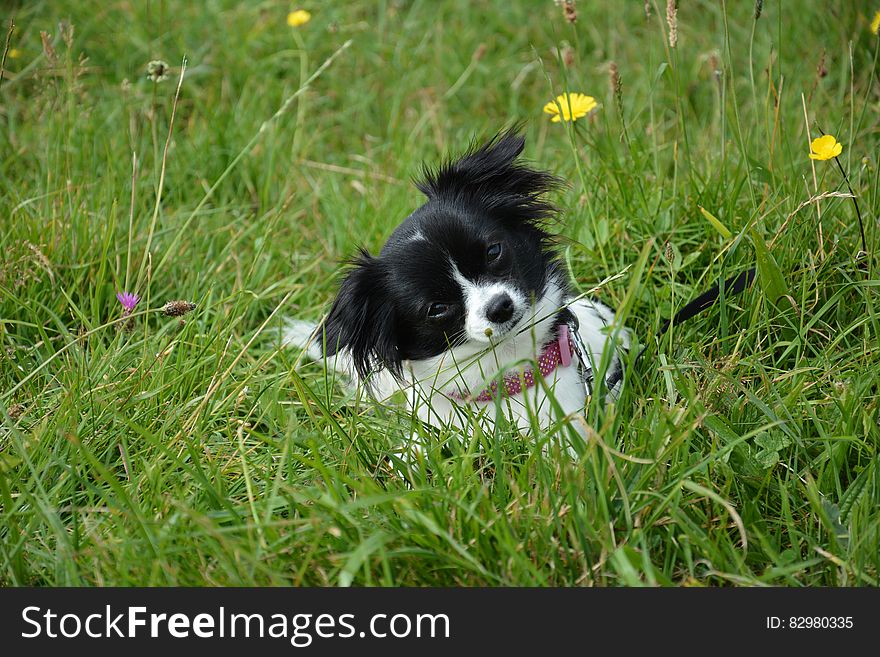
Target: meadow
(146, 447)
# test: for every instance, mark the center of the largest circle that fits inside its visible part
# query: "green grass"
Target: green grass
(743, 451)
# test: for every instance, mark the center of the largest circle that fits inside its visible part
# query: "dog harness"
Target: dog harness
(556, 354)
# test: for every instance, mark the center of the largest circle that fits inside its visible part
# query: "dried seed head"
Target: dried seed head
(616, 87)
(65, 29)
(41, 259)
(672, 21)
(157, 70)
(715, 66)
(647, 9)
(614, 79)
(759, 7)
(480, 52)
(241, 397)
(821, 72)
(48, 49)
(178, 308)
(15, 411)
(668, 252)
(568, 56)
(569, 11)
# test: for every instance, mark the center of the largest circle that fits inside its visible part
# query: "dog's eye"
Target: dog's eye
(493, 252)
(438, 310)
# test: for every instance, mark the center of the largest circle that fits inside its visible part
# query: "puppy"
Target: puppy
(467, 308)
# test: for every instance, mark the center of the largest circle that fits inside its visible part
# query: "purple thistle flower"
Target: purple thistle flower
(128, 300)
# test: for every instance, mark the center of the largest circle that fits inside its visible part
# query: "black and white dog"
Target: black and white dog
(467, 308)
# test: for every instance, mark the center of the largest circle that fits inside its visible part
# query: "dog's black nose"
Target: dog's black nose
(500, 308)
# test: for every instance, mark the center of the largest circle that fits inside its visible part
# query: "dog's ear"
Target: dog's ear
(490, 178)
(362, 319)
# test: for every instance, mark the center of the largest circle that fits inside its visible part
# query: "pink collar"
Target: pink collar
(555, 354)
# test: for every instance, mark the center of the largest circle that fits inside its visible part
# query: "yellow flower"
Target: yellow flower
(14, 53)
(574, 106)
(824, 148)
(298, 17)
(875, 24)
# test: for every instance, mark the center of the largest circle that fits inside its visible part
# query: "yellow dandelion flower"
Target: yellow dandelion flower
(14, 53)
(825, 148)
(298, 17)
(875, 24)
(574, 106)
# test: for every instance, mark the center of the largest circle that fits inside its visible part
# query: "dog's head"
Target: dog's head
(465, 267)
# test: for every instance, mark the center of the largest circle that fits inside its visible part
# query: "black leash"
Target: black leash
(732, 286)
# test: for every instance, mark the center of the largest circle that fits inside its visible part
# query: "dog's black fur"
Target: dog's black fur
(405, 303)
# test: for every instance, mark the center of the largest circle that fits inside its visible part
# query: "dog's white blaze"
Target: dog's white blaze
(470, 365)
(477, 298)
